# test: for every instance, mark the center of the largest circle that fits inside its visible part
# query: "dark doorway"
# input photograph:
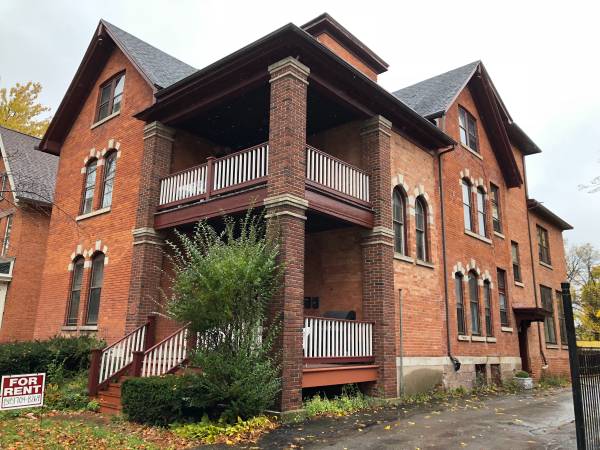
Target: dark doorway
(523, 348)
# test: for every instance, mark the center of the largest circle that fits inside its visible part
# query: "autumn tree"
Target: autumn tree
(20, 109)
(589, 301)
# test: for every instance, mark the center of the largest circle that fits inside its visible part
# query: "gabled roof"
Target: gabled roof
(432, 97)
(31, 173)
(539, 209)
(159, 67)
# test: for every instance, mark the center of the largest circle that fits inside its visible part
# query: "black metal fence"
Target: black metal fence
(585, 379)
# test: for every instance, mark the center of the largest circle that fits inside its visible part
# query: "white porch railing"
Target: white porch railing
(336, 174)
(166, 355)
(241, 167)
(334, 338)
(120, 354)
(183, 185)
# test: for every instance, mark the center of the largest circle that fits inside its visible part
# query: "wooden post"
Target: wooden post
(210, 175)
(136, 364)
(150, 338)
(94, 373)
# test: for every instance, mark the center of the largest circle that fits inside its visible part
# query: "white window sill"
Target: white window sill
(490, 339)
(462, 337)
(552, 346)
(500, 235)
(92, 214)
(401, 257)
(518, 283)
(477, 338)
(69, 328)
(477, 236)
(79, 328)
(565, 347)
(546, 265)
(506, 329)
(106, 119)
(470, 150)
(425, 264)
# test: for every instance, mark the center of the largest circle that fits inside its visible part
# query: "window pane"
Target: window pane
(420, 225)
(90, 184)
(481, 212)
(105, 94)
(109, 174)
(74, 300)
(398, 217)
(120, 83)
(93, 307)
(117, 104)
(472, 130)
(474, 300)
(488, 309)
(466, 198)
(95, 289)
(460, 314)
(73, 308)
(550, 332)
(463, 136)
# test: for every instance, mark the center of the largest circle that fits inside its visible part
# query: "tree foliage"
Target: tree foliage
(20, 109)
(581, 259)
(589, 304)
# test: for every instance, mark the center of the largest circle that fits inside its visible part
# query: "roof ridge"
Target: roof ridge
(478, 61)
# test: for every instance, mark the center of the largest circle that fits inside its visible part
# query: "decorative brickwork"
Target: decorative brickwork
(286, 211)
(379, 303)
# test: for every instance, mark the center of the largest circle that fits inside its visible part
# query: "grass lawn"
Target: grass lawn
(59, 430)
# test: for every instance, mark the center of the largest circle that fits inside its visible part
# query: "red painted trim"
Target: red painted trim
(330, 376)
(323, 203)
(340, 359)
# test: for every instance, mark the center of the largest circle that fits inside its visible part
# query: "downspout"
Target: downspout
(535, 296)
(455, 362)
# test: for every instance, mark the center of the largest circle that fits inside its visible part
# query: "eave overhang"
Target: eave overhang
(247, 67)
(540, 210)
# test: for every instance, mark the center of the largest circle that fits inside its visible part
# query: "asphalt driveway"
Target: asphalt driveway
(539, 420)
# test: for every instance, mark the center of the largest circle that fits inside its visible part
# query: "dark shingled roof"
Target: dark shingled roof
(161, 69)
(33, 172)
(432, 97)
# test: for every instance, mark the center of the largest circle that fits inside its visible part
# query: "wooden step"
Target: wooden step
(110, 409)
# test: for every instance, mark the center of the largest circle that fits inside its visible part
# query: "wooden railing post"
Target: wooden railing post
(94, 373)
(136, 364)
(150, 338)
(210, 175)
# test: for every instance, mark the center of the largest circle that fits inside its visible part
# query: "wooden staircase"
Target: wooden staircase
(134, 356)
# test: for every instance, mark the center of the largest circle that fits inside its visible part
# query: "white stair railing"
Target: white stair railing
(336, 174)
(335, 338)
(166, 355)
(120, 354)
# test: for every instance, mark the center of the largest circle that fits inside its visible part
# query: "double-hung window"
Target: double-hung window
(481, 212)
(460, 303)
(399, 219)
(487, 303)
(516, 261)
(468, 129)
(543, 245)
(495, 200)
(110, 97)
(548, 304)
(75, 297)
(97, 277)
(474, 301)
(421, 228)
(467, 200)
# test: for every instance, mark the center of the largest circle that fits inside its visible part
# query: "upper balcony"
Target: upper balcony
(238, 181)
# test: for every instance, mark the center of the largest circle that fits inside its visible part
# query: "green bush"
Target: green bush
(350, 401)
(162, 400)
(68, 394)
(551, 381)
(59, 356)
(521, 374)
(213, 432)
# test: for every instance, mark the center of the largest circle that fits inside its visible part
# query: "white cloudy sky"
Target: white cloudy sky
(542, 56)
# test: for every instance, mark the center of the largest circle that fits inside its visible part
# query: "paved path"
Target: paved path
(524, 421)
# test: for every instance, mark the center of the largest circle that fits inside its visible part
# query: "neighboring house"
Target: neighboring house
(27, 179)
(399, 212)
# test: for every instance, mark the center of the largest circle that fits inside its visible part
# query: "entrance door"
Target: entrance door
(523, 347)
(3, 287)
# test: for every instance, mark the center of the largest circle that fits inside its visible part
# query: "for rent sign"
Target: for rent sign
(22, 391)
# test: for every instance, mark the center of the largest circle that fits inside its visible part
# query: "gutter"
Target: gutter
(455, 361)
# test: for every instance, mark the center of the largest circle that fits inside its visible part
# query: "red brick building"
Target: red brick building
(409, 241)
(27, 179)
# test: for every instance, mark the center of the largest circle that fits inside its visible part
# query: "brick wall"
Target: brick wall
(113, 230)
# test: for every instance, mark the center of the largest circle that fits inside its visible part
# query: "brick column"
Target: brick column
(147, 254)
(285, 209)
(378, 253)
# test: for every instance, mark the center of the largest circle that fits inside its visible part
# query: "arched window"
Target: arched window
(460, 303)
(399, 218)
(481, 212)
(421, 228)
(467, 205)
(90, 184)
(75, 294)
(110, 164)
(474, 301)
(96, 279)
(487, 304)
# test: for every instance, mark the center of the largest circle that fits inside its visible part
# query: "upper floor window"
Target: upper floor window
(421, 228)
(543, 245)
(495, 199)
(399, 218)
(110, 163)
(7, 230)
(75, 295)
(460, 303)
(468, 129)
(481, 212)
(467, 200)
(502, 298)
(516, 261)
(548, 304)
(487, 303)
(93, 305)
(90, 184)
(562, 324)
(474, 301)
(111, 95)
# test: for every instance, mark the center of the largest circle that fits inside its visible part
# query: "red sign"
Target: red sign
(22, 391)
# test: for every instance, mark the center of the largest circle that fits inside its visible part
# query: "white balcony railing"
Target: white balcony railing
(337, 339)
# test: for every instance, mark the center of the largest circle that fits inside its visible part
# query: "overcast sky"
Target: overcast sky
(542, 56)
